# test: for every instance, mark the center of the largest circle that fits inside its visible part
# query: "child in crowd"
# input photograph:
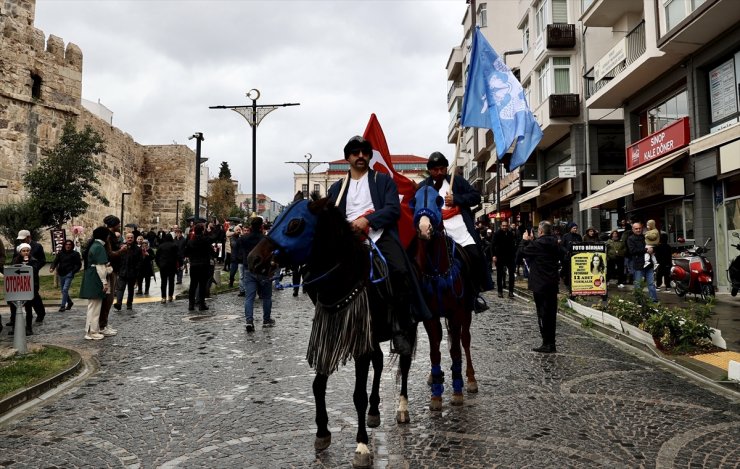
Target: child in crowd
(652, 239)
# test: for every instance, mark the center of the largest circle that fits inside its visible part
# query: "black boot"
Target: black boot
(191, 307)
(545, 348)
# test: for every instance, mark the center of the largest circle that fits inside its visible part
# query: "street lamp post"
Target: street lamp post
(198, 136)
(254, 115)
(177, 211)
(308, 166)
(123, 204)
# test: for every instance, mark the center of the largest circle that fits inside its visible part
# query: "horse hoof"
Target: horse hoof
(472, 387)
(402, 416)
(457, 399)
(429, 379)
(322, 442)
(373, 421)
(362, 460)
(435, 403)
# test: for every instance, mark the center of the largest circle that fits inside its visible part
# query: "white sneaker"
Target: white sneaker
(109, 331)
(621, 285)
(94, 336)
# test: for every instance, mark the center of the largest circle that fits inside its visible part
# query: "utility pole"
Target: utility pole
(198, 136)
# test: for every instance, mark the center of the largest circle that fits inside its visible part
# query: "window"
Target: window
(35, 86)
(561, 73)
(677, 10)
(540, 18)
(559, 11)
(543, 81)
(316, 188)
(482, 15)
(665, 113)
(525, 37)
(304, 189)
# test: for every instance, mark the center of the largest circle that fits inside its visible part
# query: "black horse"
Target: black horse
(351, 317)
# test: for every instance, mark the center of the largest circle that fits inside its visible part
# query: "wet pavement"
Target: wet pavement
(179, 389)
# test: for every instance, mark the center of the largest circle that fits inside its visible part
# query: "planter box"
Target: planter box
(626, 328)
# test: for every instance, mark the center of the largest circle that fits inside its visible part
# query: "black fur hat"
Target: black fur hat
(357, 143)
(437, 160)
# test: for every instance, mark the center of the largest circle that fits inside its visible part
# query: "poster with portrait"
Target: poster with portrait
(588, 269)
(57, 240)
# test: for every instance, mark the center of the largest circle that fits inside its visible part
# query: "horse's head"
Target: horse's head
(427, 207)
(289, 241)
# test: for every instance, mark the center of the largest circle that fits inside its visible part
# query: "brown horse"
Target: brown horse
(442, 267)
(351, 317)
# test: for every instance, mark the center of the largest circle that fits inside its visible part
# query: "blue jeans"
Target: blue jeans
(649, 276)
(253, 283)
(242, 280)
(65, 283)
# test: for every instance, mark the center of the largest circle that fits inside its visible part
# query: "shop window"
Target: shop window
(723, 99)
(664, 114)
(680, 222)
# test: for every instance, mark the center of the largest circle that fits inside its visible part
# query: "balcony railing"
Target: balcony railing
(455, 85)
(475, 174)
(636, 46)
(561, 36)
(565, 105)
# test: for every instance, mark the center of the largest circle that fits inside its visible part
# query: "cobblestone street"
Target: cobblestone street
(178, 389)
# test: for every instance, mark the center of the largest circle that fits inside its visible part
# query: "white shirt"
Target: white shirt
(359, 203)
(455, 226)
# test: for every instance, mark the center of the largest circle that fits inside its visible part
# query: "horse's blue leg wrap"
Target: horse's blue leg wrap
(438, 377)
(457, 380)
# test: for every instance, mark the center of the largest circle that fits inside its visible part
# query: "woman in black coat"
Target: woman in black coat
(167, 257)
(145, 271)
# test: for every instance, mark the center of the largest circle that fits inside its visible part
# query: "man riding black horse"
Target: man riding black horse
(369, 200)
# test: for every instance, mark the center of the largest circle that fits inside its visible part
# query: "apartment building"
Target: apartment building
(638, 102)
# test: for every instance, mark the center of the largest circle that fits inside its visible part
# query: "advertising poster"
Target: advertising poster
(588, 269)
(57, 240)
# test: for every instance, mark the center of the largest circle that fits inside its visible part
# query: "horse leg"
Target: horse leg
(472, 386)
(453, 336)
(323, 435)
(436, 377)
(373, 415)
(402, 414)
(363, 456)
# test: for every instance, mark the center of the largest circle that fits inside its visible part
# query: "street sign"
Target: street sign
(566, 171)
(18, 283)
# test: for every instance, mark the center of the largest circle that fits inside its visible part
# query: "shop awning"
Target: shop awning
(534, 192)
(625, 186)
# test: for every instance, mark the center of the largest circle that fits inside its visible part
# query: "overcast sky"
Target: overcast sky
(158, 65)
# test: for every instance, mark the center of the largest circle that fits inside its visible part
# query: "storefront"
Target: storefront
(552, 200)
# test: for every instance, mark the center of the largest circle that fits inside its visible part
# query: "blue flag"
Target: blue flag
(494, 99)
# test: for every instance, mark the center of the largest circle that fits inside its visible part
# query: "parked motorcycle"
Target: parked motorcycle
(691, 272)
(733, 273)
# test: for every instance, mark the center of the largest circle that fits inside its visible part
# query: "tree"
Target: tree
(238, 212)
(23, 215)
(61, 183)
(224, 172)
(187, 212)
(222, 198)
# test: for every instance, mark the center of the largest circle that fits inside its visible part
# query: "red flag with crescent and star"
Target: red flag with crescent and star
(381, 162)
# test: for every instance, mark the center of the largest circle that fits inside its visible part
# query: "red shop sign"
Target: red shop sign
(503, 214)
(665, 141)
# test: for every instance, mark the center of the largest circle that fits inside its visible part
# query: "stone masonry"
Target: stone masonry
(40, 89)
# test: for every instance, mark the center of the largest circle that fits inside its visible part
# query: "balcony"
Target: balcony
(605, 13)
(475, 175)
(565, 105)
(454, 63)
(704, 24)
(561, 36)
(455, 91)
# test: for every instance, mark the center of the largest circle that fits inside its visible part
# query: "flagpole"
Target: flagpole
(457, 154)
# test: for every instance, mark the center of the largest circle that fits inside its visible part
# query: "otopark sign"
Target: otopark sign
(18, 283)
(588, 269)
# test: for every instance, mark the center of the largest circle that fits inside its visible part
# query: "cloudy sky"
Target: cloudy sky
(158, 65)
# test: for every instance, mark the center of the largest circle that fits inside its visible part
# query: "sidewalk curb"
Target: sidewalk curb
(705, 374)
(26, 396)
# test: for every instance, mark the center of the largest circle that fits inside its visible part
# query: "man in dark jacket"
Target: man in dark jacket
(180, 241)
(459, 197)
(37, 252)
(504, 255)
(254, 283)
(542, 256)
(369, 200)
(129, 271)
(636, 250)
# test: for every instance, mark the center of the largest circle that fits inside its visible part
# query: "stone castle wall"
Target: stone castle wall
(40, 89)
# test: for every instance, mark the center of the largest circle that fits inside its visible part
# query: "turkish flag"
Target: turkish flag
(381, 162)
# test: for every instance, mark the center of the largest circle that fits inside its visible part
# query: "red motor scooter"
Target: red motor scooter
(691, 272)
